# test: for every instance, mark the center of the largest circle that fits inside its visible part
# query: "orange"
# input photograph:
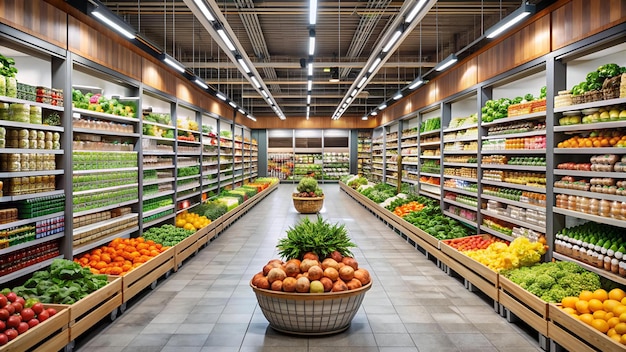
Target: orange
(620, 328)
(586, 318)
(613, 322)
(623, 340)
(599, 314)
(608, 316)
(619, 310)
(582, 307)
(601, 294)
(622, 317)
(585, 295)
(570, 310)
(569, 302)
(616, 337)
(610, 304)
(612, 332)
(600, 325)
(595, 305)
(617, 294)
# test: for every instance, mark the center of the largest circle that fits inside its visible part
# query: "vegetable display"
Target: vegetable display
(319, 237)
(308, 187)
(167, 235)
(595, 79)
(211, 209)
(554, 280)
(65, 282)
(499, 256)
(603, 311)
(120, 256)
(99, 103)
(19, 315)
(189, 221)
(7, 66)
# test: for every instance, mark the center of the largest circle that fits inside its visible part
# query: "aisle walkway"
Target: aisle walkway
(208, 305)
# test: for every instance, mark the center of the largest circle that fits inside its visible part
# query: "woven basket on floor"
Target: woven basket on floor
(310, 313)
(308, 205)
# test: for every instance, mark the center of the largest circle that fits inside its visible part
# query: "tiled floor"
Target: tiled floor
(208, 305)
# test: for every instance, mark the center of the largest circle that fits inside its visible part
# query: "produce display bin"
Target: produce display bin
(526, 306)
(206, 233)
(88, 311)
(574, 335)
(51, 335)
(185, 249)
(147, 273)
(483, 278)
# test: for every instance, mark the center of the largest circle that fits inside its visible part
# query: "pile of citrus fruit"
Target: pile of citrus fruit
(604, 311)
(191, 221)
(596, 140)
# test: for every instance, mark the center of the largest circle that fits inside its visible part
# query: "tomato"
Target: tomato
(4, 314)
(23, 327)
(51, 311)
(11, 334)
(43, 316)
(10, 308)
(18, 306)
(11, 296)
(3, 339)
(27, 314)
(33, 322)
(13, 321)
(3, 325)
(3, 300)
(20, 300)
(37, 308)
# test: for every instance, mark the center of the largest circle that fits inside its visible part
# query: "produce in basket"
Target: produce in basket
(317, 259)
(308, 187)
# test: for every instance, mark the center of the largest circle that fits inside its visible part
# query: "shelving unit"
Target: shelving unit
(429, 147)
(364, 153)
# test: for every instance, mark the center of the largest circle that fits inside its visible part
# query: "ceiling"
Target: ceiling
(274, 35)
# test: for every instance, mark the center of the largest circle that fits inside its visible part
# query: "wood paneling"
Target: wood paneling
(530, 42)
(579, 19)
(104, 47)
(36, 18)
(158, 77)
(464, 76)
(302, 123)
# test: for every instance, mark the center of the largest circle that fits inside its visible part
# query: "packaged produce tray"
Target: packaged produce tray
(519, 109)
(51, 335)
(485, 279)
(526, 306)
(88, 311)
(575, 335)
(147, 273)
(185, 249)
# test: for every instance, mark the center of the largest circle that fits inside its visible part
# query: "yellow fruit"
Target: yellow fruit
(569, 302)
(599, 314)
(600, 294)
(570, 310)
(610, 304)
(613, 322)
(619, 310)
(617, 294)
(595, 305)
(622, 317)
(582, 307)
(585, 295)
(623, 340)
(586, 318)
(612, 332)
(617, 338)
(620, 328)
(608, 315)
(600, 325)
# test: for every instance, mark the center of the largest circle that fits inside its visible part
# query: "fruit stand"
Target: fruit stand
(50, 335)
(90, 310)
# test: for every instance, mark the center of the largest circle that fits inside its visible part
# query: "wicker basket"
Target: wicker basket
(308, 205)
(310, 313)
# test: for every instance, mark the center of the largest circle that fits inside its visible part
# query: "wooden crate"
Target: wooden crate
(526, 306)
(147, 273)
(51, 335)
(206, 233)
(99, 304)
(185, 249)
(483, 278)
(575, 335)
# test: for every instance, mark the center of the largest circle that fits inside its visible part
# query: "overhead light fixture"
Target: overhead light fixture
(309, 85)
(416, 9)
(354, 91)
(308, 99)
(509, 21)
(382, 106)
(364, 118)
(310, 68)
(243, 64)
(255, 81)
(226, 40)
(344, 105)
(374, 113)
(416, 83)
(361, 82)
(374, 64)
(251, 117)
(201, 83)
(348, 100)
(205, 11)
(398, 96)
(232, 103)
(220, 95)
(112, 21)
(242, 111)
(392, 41)
(311, 42)
(265, 94)
(313, 12)
(170, 61)
(447, 62)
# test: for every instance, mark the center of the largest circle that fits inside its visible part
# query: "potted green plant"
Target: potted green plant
(309, 197)
(318, 286)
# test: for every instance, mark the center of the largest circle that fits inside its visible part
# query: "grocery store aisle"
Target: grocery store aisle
(208, 304)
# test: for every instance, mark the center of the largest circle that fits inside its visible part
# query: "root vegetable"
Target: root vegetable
(346, 273)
